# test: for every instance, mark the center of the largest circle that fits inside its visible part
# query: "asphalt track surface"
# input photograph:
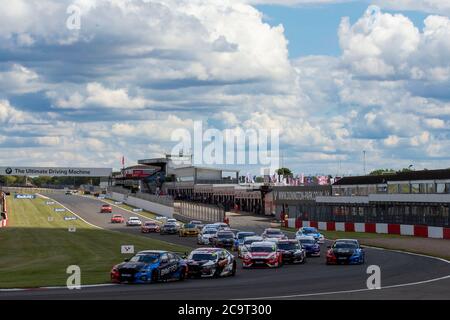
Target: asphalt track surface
(403, 276)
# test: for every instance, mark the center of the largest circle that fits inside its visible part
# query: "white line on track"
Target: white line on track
(59, 287)
(124, 209)
(365, 289)
(256, 298)
(64, 287)
(346, 291)
(92, 225)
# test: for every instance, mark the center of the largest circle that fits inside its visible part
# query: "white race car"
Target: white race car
(244, 247)
(205, 236)
(134, 221)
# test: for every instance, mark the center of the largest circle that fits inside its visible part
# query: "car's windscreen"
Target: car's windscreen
(288, 246)
(146, 258)
(307, 241)
(209, 231)
(247, 242)
(225, 235)
(273, 232)
(345, 245)
(189, 226)
(262, 249)
(202, 256)
(308, 231)
(150, 224)
(243, 235)
(169, 225)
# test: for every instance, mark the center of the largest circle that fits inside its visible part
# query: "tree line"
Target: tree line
(42, 182)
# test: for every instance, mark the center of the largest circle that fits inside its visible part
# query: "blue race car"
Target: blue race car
(240, 236)
(310, 231)
(346, 251)
(310, 245)
(150, 266)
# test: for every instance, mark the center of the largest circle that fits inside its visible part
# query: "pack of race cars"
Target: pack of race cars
(271, 249)
(217, 260)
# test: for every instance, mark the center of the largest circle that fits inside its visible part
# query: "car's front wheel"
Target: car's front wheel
(182, 274)
(155, 276)
(233, 270)
(280, 262)
(216, 273)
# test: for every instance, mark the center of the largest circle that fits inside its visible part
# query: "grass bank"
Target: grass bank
(36, 252)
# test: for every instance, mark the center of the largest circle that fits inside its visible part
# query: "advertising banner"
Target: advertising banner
(25, 196)
(55, 172)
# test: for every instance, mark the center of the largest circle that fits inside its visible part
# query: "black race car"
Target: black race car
(211, 262)
(291, 251)
(169, 228)
(224, 239)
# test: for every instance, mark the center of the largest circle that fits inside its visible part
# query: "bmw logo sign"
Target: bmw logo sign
(8, 170)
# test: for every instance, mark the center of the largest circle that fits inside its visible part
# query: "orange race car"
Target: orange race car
(117, 218)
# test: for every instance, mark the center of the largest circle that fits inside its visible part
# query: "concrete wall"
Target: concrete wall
(157, 208)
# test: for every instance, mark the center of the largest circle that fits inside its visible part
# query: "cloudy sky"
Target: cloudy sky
(336, 77)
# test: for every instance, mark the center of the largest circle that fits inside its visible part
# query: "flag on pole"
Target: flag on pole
(123, 161)
(274, 178)
(322, 180)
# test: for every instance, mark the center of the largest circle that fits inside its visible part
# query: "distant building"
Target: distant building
(416, 197)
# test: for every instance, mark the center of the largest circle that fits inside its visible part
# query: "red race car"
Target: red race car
(117, 218)
(263, 254)
(150, 226)
(106, 208)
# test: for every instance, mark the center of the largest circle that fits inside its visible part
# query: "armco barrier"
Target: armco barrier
(382, 228)
(202, 212)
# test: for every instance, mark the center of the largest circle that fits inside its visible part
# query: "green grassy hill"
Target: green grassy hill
(36, 252)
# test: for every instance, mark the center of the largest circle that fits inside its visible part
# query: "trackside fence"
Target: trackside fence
(202, 212)
(31, 190)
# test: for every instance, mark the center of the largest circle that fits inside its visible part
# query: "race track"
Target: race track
(409, 275)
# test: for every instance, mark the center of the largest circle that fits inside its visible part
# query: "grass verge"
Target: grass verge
(36, 252)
